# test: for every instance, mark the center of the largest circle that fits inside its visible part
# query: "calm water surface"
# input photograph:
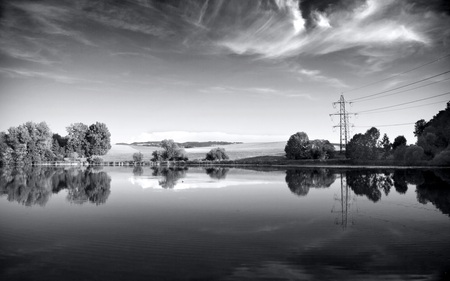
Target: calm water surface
(224, 224)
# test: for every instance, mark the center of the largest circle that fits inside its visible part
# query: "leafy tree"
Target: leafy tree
(171, 151)
(363, 146)
(137, 157)
(217, 154)
(419, 127)
(321, 149)
(434, 136)
(386, 145)
(77, 138)
(297, 146)
(98, 140)
(399, 141)
(414, 154)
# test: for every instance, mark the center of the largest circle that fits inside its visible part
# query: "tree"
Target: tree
(320, 149)
(171, 151)
(98, 140)
(399, 141)
(363, 146)
(386, 145)
(419, 127)
(414, 154)
(297, 146)
(77, 138)
(137, 157)
(217, 154)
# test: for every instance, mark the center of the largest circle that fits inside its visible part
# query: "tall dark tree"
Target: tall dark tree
(399, 141)
(364, 146)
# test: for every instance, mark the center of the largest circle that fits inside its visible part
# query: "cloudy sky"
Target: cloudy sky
(223, 70)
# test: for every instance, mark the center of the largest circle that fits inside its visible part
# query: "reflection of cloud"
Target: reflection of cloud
(200, 182)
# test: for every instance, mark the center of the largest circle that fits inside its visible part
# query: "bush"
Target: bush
(137, 157)
(442, 159)
(97, 160)
(297, 146)
(321, 149)
(414, 154)
(217, 154)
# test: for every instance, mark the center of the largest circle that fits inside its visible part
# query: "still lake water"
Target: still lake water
(224, 224)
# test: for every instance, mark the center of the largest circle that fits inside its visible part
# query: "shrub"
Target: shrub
(217, 154)
(97, 160)
(442, 159)
(414, 154)
(137, 157)
(297, 146)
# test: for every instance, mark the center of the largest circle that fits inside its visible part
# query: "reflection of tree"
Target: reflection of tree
(218, 173)
(34, 185)
(92, 187)
(300, 181)
(170, 175)
(138, 171)
(400, 181)
(435, 189)
(369, 183)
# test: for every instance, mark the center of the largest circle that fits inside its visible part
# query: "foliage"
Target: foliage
(363, 146)
(399, 141)
(414, 154)
(217, 154)
(97, 160)
(171, 152)
(26, 144)
(138, 157)
(98, 140)
(434, 136)
(297, 146)
(170, 176)
(33, 143)
(321, 149)
(442, 158)
(386, 146)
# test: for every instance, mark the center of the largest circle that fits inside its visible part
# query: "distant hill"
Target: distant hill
(189, 144)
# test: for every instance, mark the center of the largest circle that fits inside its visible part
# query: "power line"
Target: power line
(389, 125)
(407, 90)
(404, 107)
(396, 75)
(395, 105)
(409, 84)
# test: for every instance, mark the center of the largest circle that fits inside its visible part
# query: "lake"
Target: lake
(119, 223)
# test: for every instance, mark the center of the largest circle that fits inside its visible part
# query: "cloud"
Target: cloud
(184, 136)
(332, 27)
(315, 75)
(60, 78)
(255, 91)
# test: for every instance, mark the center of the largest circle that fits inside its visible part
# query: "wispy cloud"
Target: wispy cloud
(374, 24)
(60, 78)
(255, 91)
(316, 75)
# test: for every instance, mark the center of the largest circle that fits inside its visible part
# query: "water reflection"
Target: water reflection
(34, 185)
(435, 189)
(218, 173)
(169, 175)
(300, 181)
(370, 183)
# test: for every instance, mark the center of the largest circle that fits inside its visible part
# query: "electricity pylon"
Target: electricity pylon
(344, 123)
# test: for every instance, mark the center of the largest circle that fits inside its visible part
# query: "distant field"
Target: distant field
(235, 151)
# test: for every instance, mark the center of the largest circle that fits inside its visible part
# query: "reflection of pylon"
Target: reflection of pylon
(344, 123)
(345, 204)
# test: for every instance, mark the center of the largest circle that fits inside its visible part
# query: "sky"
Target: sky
(230, 70)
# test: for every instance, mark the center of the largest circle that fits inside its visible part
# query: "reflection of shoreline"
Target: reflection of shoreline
(35, 185)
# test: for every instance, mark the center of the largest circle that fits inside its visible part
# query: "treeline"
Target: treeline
(432, 146)
(33, 143)
(300, 147)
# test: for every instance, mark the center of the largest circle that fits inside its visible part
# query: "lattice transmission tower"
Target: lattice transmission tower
(344, 123)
